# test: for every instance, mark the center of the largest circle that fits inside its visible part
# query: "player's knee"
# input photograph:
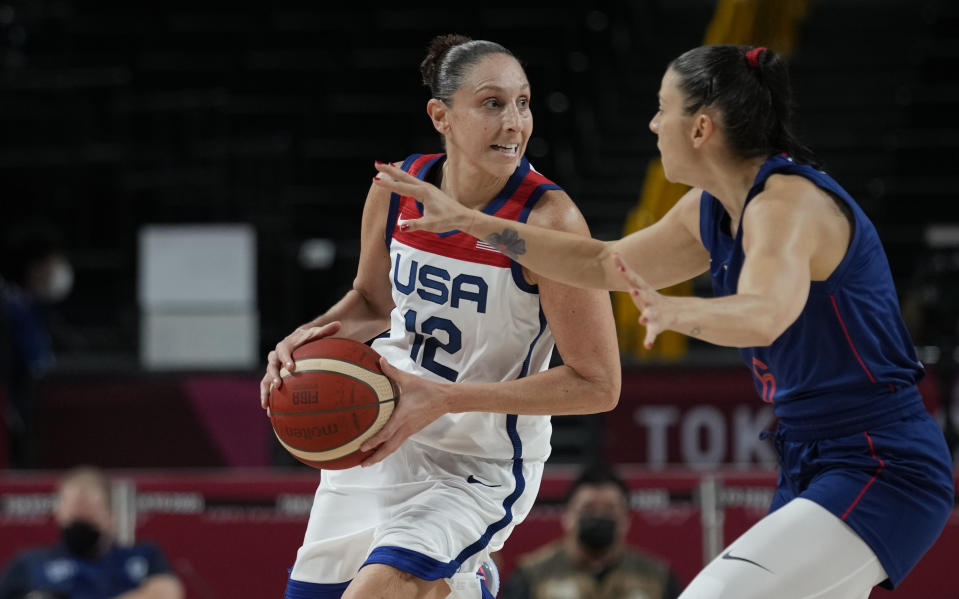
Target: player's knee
(711, 587)
(704, 588)
(380, 581)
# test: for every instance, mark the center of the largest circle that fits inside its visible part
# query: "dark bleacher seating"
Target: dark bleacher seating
(118, 114)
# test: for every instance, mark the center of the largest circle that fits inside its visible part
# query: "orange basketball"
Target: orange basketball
(336, 398)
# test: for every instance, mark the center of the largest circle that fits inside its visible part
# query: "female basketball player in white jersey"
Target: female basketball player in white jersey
(804, 290)
(450, 479)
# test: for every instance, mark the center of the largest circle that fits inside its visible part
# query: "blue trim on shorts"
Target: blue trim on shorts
(520, 480)
(297, 589)
(520, 484)
(494, 528)
(417, 564)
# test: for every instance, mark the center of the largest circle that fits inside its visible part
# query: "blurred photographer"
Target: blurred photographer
(592, 560)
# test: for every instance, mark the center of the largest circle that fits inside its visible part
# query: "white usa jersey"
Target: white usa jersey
(464, 313)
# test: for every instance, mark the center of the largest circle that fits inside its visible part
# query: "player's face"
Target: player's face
(672, 126)
(489, 118)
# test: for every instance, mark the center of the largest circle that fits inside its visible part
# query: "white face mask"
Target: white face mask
(59, 283)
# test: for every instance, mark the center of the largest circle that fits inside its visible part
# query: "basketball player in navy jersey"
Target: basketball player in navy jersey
(449, 479)
(803, 288)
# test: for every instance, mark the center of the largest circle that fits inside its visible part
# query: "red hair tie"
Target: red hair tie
(752, 57)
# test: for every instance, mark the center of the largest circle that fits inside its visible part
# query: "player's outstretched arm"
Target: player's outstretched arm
(362, 313)
(779, 239)
(665, 253)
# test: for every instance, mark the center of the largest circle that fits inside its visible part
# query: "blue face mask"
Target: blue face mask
(596, 533)
(82, 539)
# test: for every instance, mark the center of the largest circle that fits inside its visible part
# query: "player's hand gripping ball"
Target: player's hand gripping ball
(336, 397)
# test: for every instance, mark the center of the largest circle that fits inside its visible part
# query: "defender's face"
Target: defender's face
(673, 127)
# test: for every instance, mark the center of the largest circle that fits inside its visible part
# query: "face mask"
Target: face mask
(596, 533)
(82, 539)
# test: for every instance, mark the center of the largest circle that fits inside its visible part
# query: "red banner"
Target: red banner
(700, 418)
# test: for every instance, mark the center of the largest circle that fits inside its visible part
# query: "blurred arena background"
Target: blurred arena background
(203, 166)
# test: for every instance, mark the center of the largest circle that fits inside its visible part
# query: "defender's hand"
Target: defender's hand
(441, 213)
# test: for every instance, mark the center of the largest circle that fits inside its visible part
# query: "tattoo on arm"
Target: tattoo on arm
(508, 242)
(696, 330)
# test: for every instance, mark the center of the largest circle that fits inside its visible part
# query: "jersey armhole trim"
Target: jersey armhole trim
(394, 212)
(516, 268)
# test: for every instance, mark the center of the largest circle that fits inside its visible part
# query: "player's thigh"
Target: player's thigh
(379, 581)
(800, 551)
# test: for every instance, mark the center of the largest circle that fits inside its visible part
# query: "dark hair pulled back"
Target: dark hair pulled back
(448, 59)
(750, 87)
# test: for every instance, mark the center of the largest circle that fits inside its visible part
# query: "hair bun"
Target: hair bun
(435, 52)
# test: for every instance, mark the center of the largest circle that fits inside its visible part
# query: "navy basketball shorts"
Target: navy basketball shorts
(892, 484)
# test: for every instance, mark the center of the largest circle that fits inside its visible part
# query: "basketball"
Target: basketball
(335, 399)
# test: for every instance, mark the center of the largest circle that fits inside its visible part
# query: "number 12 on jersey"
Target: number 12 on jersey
(423, 338)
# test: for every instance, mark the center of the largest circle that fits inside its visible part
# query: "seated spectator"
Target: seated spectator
(35, 274)
(87, 563)
(592, 560)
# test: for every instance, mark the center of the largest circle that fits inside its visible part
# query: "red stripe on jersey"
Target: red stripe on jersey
(419, 162)
(852, 346)
(459, 247)
(462, 246)
(514, 206)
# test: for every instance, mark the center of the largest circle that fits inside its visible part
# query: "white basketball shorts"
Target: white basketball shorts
(424, 511)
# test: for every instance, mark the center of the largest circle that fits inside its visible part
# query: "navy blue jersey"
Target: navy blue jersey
(55, 570)
(847, 361)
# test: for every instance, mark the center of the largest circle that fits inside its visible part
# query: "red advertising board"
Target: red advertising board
(234, 533)
(698, 418)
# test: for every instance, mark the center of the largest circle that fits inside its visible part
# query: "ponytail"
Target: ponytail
(750, 88)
